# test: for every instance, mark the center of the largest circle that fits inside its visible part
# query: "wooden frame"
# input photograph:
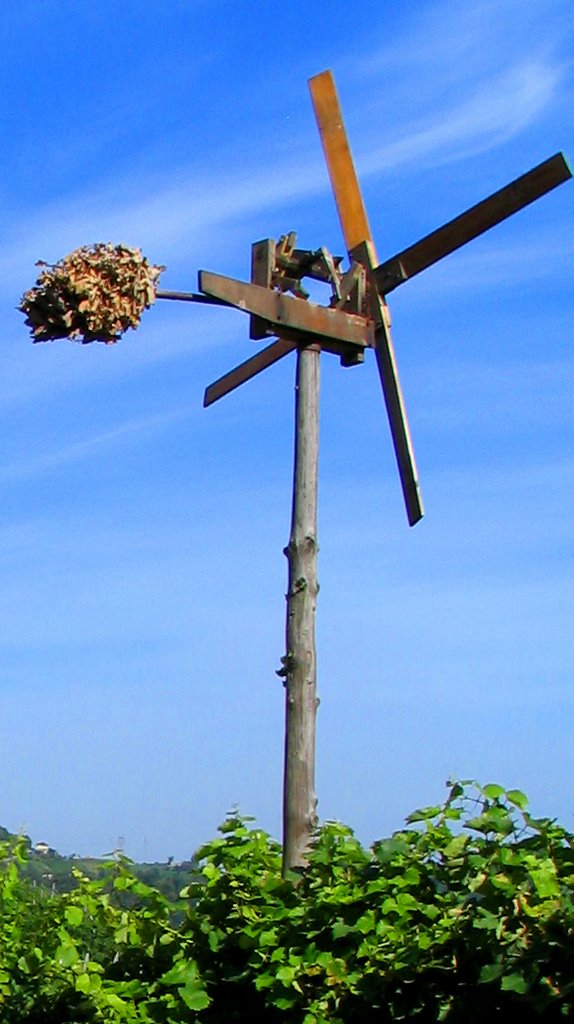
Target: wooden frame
(349, 326)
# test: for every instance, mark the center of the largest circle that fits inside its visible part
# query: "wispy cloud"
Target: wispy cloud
(132, 431)
(452, 43)
(495, 111)
(171, 219)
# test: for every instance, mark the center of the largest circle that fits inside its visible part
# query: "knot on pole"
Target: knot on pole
(287, 666)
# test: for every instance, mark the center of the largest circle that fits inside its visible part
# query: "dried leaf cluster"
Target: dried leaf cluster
(93, 294)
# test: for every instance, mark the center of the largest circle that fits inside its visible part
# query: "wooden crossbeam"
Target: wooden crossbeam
(472, 223)
(285, 312)
(356, 232)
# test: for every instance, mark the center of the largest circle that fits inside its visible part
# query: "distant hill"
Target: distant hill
(47, 867)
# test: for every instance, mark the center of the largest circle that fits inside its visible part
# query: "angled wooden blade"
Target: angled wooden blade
(386, 363)
(472, 223)
(340, 166)
(357, 235)
(285, 311)
(245, 371)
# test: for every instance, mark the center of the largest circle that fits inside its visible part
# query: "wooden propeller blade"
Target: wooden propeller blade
(357, 235)
(387, 367)
(472, 223)
(340, 166)
(245, 371)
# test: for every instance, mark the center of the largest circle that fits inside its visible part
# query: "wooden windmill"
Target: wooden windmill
(357, 318)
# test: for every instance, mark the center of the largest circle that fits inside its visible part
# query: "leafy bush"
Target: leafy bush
(95, 293)
(463, 915)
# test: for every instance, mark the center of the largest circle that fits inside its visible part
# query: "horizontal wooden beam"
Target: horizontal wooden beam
(472, 223)
(285, 311)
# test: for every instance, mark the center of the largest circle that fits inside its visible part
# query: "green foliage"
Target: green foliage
(58, 873)
(465, 914)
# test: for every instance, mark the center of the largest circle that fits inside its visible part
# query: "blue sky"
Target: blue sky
(141, 536)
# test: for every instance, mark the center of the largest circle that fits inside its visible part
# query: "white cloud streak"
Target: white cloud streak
(170, 219)
(133, 430)
(494, 113)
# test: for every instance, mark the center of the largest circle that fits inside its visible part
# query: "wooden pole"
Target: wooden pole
(299, 663)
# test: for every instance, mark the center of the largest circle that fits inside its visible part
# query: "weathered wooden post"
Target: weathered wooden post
(300, 661)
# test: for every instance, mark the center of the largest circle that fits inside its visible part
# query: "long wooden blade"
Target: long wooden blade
(357, 235)
(387, 367)
(245, 371)
(340, 166)
(472, 223)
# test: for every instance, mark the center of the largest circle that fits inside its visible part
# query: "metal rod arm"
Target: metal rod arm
(208, 300)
